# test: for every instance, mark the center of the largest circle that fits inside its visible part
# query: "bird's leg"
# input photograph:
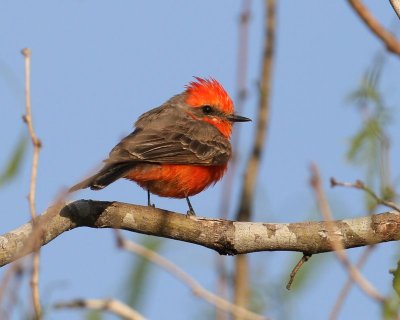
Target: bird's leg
(148, 200)
(190, 212)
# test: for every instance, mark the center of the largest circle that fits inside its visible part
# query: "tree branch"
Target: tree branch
(390, 41)
(325, 210)
(241, 95)
(244, 213)
(197, 288)
(361, 186)
(346, 289)
(32, 188)
(224, 236)
(396, 6)
(111, 305)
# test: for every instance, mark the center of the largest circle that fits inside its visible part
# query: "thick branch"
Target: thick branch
(223, 236)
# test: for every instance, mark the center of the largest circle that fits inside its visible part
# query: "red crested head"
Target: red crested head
(208, 92)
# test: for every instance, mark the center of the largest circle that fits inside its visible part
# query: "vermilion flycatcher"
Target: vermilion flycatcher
(178, 149)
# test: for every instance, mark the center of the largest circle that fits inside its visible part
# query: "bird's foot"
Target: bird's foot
(190, 213)
(149, 204)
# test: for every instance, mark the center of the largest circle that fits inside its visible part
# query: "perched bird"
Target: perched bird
(178, 149)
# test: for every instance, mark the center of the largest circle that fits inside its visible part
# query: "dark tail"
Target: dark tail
(107, 175)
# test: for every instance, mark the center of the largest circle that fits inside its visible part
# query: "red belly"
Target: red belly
(174, 180)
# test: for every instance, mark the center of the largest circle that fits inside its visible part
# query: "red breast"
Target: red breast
(176, 181)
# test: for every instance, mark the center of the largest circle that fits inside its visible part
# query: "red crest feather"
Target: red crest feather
(208, 91)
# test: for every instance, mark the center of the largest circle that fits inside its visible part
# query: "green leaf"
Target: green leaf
(364, 143)
(396, 279)
(368, 90)
(388, 193)
(390, 309)
(14, 164)
(391, 306)
(94, 315)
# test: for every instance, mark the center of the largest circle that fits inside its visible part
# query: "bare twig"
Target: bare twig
(13, 292)
(346, 289)
(253, 163)
(241, 94)
(35, 141)
(111, 305)
(396, 6)
(222, 285)
(15, 269)
(32, 189)
(390, 41)
(360, 185)
(249, 181)
(196, 288)
(297, 267)
(35, 284)
(335, 240)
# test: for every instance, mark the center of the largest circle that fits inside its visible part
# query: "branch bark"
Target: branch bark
(390, 41)
(224, 236)
(111, 305)
(396, 6)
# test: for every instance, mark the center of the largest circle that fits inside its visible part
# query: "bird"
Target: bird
(177, 149)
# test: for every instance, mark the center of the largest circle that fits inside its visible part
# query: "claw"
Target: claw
(190, 212)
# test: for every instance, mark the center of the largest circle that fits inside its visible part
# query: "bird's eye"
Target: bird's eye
(207, 109)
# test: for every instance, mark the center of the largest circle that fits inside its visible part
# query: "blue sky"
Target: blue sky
(98, 65)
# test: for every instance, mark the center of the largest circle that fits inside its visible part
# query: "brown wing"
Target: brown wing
(156, 140)
(190, 142)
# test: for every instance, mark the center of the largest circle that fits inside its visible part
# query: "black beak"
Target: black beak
(236, 118)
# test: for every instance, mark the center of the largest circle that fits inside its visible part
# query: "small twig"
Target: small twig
(14, 270)
(9, 289)
(32, 189)
(241, 95)
(35, 284)
(297, 267)
(111, 305)
(222, 284)
(263, 117)
(241, 277)
(335, 240)
(396, 6)
(390, 41)
(360, 185)
(346, 289)
(35, 141)
(196, 288)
